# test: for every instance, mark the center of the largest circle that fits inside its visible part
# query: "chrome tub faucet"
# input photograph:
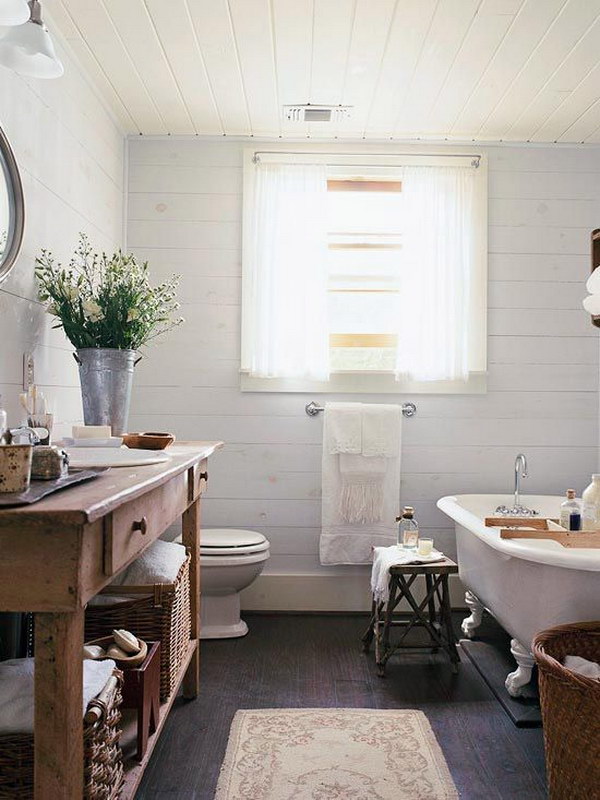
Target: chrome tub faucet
(520, 472)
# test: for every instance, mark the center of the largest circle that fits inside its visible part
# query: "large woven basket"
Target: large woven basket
(103, 761)
(159, 612)
(570, 711)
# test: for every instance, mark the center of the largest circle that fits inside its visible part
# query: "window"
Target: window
(364, 273)
(364, 242)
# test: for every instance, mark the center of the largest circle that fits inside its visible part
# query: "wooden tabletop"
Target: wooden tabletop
(445, 565)
(98, 497)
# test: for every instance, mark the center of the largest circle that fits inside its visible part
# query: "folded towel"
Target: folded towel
(344, 430)
(360, 484)
(394, 556)
(16, 691)
(160, 563)
(584, 667)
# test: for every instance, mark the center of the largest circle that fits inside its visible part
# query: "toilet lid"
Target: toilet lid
(218, 541)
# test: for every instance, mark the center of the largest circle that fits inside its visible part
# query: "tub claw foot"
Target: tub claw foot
(517, 680)
(473, 621)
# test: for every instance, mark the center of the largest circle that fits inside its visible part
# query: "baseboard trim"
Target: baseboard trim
(313, 592)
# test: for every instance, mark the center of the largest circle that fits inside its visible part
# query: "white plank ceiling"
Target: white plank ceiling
(515, 70)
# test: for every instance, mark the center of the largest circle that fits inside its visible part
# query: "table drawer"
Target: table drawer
(132, 527)
(200, 480)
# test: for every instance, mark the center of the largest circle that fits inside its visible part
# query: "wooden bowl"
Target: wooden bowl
(148, 441)
(123, 663)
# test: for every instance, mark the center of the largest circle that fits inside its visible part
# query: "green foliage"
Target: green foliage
(106, 301)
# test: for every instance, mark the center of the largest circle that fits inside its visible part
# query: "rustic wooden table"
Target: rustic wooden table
(57, 554)
(437, 622)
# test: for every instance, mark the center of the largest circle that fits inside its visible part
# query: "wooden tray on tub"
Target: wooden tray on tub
(543, 528)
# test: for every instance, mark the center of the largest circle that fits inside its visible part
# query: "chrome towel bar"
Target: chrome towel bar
(312, 409)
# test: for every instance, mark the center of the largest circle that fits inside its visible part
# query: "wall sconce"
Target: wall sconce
(28, 49)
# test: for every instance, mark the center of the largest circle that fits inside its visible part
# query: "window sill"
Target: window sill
(355, 383)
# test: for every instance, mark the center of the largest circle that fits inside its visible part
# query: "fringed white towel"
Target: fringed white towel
(394, 556)
(360, 480)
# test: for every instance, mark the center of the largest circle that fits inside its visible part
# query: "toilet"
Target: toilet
(230, 560)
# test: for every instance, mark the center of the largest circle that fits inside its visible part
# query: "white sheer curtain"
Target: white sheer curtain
(286, 326)
(436, 276)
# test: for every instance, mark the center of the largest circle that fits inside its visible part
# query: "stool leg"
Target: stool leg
(382, 658)
(367, 637)
(431, 605)
(447, 622)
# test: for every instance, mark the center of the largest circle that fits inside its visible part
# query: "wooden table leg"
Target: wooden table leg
(191, 539)
(58, 716)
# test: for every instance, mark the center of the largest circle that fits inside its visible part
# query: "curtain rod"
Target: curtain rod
(476, 157)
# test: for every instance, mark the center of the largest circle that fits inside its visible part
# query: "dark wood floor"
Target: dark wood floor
(316, 661)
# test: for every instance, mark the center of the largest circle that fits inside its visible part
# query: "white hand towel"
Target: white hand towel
(16, 690)
(584, 667)
(342, 430)
(381, 429)
(359, 493)
(394, 556)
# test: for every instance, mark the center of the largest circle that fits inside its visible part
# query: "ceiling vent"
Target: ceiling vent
(311, 113)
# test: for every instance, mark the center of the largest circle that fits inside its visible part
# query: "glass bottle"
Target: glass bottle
(408, 529)
(591, 505)
(570, 512)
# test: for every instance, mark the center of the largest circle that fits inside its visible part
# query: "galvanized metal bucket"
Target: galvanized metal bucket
(106, 376)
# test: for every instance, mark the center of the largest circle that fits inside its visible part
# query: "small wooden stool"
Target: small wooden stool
(141, 690)
(437, 621)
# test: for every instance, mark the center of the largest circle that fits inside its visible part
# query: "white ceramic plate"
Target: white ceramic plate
(86, 457)
(113, 441)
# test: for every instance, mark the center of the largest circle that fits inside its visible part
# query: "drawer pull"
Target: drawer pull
(203, 476)
(140, 525)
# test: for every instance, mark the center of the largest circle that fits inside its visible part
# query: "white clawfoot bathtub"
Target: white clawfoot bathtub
(526, 584)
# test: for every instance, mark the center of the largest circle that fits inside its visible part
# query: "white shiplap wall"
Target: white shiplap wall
(70, 153)
(184, 216)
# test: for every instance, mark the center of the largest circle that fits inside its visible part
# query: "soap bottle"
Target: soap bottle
(570, 512)
(408, 529)
(591, 505)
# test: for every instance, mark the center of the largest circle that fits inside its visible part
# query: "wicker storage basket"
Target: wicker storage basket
(159, 612)
(570, 711)
(103, 762)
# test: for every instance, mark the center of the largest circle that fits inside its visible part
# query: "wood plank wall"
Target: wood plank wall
(70, 153)
(185, 216)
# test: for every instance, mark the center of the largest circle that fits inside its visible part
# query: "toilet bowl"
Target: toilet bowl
(230, 560)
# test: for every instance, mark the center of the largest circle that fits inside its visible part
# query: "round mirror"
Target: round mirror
(12, 208)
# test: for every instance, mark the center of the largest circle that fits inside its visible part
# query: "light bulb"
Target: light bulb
(28, 48)
(14, 12)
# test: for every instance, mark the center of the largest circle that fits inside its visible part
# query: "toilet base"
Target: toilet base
(220, 616)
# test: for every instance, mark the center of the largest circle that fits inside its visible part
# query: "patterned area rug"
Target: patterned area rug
(333, 754)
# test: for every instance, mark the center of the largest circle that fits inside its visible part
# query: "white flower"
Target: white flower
(52, 309)
(134, 314)
(72, 292)
(92, 311)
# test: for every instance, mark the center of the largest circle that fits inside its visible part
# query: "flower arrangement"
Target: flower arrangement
(106, 301)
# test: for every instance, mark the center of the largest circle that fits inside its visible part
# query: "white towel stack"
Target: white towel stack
(360, 480)
(160, 563)
(16, 691)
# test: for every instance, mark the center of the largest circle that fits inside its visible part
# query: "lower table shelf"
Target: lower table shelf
(135, 769)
